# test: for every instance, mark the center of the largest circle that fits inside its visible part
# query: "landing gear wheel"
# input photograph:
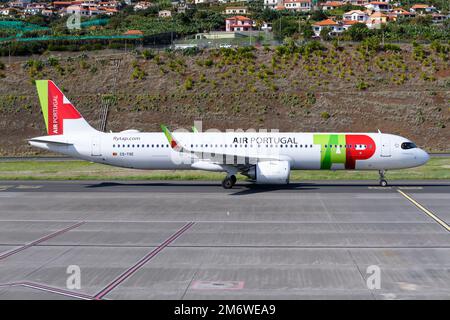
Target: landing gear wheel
(383, 181)
(227, 183)
(233, 179)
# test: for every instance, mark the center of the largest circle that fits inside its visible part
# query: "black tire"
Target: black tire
(227, 183)
(383, 183)
(233, 179)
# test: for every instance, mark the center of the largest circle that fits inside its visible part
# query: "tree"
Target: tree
(325, 33)
(285, 27)
(318, 15)
(358, 32)
(306, 30)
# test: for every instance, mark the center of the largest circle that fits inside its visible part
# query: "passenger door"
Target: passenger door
(385, 146)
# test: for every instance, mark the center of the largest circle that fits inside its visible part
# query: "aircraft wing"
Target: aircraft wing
(240, 161)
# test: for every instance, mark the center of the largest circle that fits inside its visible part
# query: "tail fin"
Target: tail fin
(59, 114)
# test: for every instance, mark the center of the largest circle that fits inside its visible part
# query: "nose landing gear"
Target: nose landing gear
(229, 182)
(383, 181)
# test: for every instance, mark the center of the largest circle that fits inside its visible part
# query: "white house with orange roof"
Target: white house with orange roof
(328, 23)
(376, 19)
(422, 8)
(331, 5)
(356, 15)
(348, 23)
(238, 23)
(298, 5)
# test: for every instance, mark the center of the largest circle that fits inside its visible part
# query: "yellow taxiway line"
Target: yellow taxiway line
(428, 212)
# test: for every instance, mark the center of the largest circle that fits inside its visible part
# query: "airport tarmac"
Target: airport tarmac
(195, 240)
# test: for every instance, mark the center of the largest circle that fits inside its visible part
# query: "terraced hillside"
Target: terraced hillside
(307, 88)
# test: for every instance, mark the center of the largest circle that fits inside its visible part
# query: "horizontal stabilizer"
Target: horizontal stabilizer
(43, 140)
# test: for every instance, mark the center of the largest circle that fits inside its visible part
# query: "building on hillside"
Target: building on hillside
(58, 5)
(85, 11)
(19, 3)
(348, 23)
(143, 5)
(238, 23)
(298, 5)
(236, 10)
(357, 2)
(331, 5)
(133, 33)
(420, 8)
(48, 12)
(266, 26)
(439, 18)
(165, 14)
(334, 27)
(401, 13)
(6, 11)
(271, 4)
(183, 7)
(205, 1)
(233, 1)
(356, 15)
(376, 19)
(378, 6)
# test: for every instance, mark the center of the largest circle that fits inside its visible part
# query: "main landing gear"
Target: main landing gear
(383, 181)
(229, 182)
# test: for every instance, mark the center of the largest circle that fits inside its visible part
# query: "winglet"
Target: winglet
(170, 138)
(194, 129)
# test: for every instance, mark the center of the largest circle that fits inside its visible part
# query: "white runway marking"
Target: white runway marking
(28, 187)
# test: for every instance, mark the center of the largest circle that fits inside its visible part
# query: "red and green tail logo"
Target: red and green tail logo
(344, 149)
(55, 107)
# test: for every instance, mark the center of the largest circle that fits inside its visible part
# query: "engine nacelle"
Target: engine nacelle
(271, 172)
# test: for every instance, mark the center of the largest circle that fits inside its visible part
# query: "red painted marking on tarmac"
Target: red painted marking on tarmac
(35, 242)
(130, 271)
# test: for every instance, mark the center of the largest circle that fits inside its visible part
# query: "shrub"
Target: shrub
(361, 85)
(391, 47)
(138, 73)
(208, 62)
(188, 84)
(148, 54)
(325, 115)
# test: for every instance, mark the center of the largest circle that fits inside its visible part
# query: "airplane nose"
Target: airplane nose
(423, 156)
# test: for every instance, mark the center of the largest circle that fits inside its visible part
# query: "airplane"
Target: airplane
(263, 157)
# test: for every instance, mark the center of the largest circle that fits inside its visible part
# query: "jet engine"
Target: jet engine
(270, 172)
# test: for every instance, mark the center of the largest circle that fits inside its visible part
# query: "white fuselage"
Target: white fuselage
(304, 151)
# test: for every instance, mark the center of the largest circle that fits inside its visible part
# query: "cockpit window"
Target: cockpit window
(408, 145)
